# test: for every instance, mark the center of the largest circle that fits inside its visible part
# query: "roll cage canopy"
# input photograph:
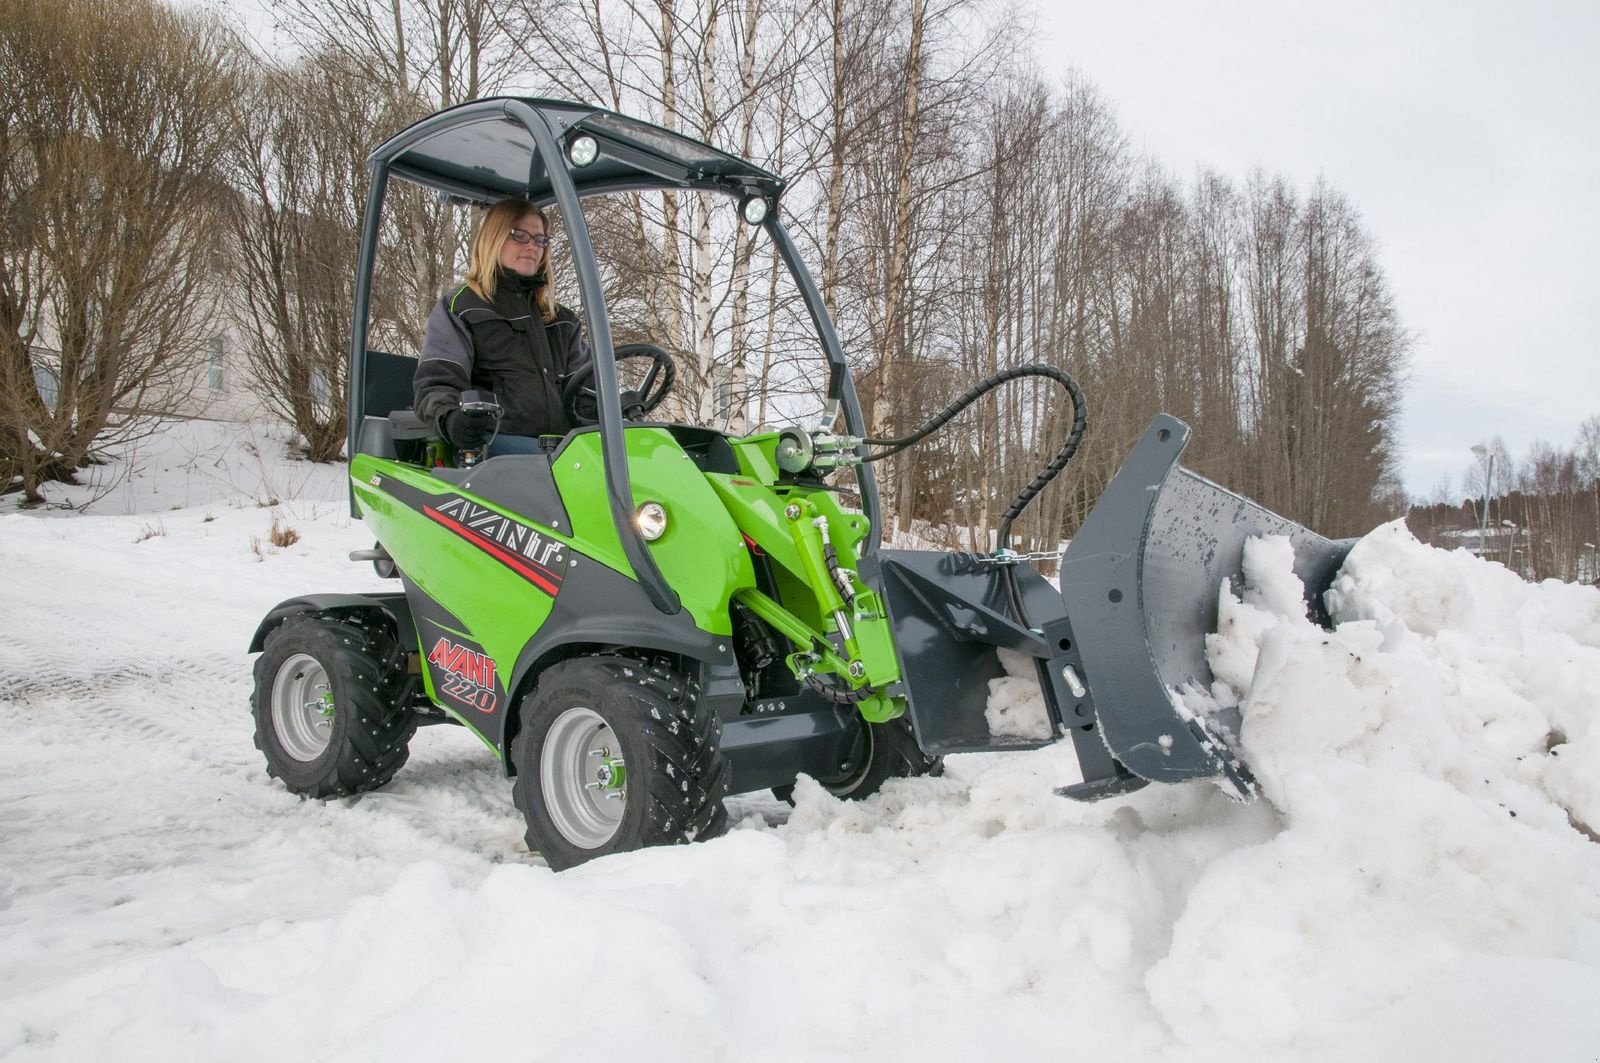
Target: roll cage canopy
(483, 151)
(488, 149)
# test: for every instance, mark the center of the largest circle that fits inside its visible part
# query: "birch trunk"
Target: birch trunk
(735, 415)
(705, 351)
(885, 409)
(672, 309)
(836, 147)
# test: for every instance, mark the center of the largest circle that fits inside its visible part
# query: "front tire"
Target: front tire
(329, 706)
(613, 755)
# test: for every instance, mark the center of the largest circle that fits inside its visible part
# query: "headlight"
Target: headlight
(651, 520)
(582, 150)
(754, 209)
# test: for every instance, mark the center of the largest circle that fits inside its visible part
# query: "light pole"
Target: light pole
(1488, 480)
(1511, 543)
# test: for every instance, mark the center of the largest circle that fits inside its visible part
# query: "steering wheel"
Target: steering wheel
(583, 404)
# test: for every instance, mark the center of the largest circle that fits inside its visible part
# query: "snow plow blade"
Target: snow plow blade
(1139, 590)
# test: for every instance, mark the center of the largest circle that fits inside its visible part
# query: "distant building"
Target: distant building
(217, 390)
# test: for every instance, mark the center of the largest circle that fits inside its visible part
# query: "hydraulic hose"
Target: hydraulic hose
(839, 695)
(1080, 422)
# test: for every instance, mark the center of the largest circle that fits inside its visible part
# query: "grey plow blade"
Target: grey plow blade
(1141, 581)
(1110, 650)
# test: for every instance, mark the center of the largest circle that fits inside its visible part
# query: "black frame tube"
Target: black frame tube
(366, 262)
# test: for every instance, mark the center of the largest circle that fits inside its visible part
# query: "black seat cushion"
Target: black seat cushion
(405, 424)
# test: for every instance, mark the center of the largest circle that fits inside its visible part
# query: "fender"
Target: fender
(600, 607)
(393, 605)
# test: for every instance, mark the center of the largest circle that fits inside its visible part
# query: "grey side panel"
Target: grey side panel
(466, 683)
(520, 483)
(1141, 580)
(394, 605)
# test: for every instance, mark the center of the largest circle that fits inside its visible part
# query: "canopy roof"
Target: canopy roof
(482, 151)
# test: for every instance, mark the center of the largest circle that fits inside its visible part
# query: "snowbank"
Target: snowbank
(1424, 757)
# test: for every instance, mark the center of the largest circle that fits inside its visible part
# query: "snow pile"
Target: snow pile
(1412, 887)
(1434, 760)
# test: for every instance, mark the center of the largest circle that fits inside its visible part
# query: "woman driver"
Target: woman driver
(502, 331)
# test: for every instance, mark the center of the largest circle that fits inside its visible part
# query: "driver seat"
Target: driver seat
(390, 426)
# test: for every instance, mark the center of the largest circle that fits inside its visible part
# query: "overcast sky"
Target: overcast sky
(1468, 135)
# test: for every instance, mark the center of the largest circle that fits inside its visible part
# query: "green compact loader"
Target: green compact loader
(648, 617)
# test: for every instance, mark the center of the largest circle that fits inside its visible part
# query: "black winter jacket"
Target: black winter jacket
(505, 347)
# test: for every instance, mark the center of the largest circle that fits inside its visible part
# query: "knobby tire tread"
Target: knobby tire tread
(687, 777)
(368, 671)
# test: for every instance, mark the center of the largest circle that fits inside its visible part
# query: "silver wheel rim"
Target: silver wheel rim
(302, 707)
(583, 778)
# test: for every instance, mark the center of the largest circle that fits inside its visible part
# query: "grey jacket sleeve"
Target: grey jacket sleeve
(445, 368)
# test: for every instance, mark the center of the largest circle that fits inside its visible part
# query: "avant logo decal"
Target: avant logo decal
(505, 531)
(468, 675)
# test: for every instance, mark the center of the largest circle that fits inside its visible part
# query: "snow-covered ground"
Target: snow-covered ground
(1421, 881)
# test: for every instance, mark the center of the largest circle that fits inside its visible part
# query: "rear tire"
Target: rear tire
(890, 752)
(614, 755)
(329, 706)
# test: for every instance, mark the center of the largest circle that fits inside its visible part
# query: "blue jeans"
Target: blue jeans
(503, 445)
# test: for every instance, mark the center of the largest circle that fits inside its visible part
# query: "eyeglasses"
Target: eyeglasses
(536, 239)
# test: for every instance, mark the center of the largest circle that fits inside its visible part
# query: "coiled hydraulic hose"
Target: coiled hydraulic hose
(1080, 422)
(839, 695)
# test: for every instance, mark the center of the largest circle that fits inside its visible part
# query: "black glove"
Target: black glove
(466, 429)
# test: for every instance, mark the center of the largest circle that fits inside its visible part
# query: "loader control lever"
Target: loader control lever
(479, 402)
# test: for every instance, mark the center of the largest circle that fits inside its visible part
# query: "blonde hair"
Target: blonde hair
(484, 261)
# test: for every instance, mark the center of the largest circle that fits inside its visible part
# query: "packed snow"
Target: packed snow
(1016, 707)
(1419, 881)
